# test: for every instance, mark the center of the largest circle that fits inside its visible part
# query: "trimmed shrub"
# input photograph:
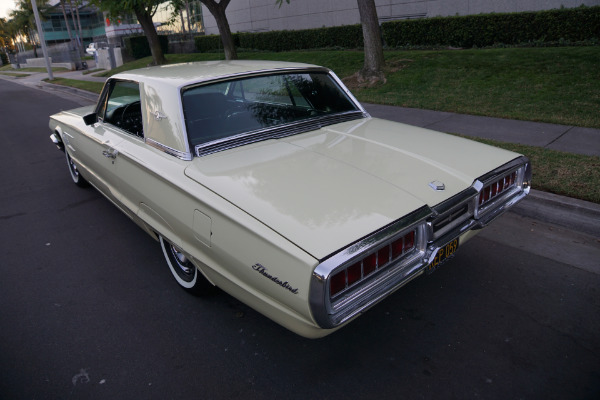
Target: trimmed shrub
(213, 42)
(4, 58)
(575, 24)
(138, 46)
(564, 25)
(347, 36)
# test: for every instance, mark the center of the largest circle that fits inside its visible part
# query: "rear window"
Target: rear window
(228, 108)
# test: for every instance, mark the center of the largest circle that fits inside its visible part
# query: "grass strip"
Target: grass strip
(95, 87)
(15, 74)
(566, 174)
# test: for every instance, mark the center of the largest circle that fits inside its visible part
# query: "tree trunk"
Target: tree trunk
(182, 22)
(79, 21)
(62, 5)
(145, 19)
(373, 68)
(218, 11)
(187, 9)
(78, 35)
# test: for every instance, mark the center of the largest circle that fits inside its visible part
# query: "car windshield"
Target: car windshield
(229, 108)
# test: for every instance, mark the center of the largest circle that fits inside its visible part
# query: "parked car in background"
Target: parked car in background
(272, 182)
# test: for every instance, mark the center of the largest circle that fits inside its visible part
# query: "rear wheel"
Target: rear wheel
(184, 271)
(75, 175)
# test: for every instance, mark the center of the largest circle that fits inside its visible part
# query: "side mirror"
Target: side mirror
(90, 119)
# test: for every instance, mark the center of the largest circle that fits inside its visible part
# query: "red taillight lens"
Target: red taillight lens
(354, 273)
(397, 248)
(337, 282)
(496, 188)
(383, 256)
(369, 268)
(371, 263)
(409, 241)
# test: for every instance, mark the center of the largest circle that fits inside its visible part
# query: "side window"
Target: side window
(123, 108)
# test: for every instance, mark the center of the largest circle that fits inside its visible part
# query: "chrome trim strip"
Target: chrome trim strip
(170, 151)
(276, 132)
(349, 93)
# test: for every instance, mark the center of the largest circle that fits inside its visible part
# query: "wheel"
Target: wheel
(184, 271)
(77, 178)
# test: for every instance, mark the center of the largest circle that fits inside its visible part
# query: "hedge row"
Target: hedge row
(347, 36)
(138, 46)
(574, 24)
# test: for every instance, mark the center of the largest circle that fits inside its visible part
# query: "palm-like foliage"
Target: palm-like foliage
(23, 19)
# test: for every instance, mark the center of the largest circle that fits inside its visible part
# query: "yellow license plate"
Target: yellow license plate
(444, 253)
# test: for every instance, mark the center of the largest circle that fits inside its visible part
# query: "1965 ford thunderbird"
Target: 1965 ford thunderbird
(270, 181)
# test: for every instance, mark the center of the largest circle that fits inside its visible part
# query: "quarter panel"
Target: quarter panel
(170, 202)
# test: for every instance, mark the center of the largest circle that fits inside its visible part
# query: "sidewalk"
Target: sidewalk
(575, 214)
(550, 136)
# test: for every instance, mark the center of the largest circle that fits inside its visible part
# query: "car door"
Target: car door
(119, 120)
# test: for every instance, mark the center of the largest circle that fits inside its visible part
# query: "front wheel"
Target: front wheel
(75, 175)
(184, 271)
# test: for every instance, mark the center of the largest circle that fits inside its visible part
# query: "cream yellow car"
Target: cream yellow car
(272, 182)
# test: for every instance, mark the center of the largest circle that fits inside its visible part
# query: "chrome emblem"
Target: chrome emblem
(264, 272)
(437, 186)
(158, 115)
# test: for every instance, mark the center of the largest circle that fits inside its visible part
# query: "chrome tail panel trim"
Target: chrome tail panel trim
(435, 227)
(328, 313)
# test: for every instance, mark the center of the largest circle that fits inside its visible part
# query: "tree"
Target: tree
(372, 70)
(144, 10)
(373, 67)
(62, 6)
(218, 11)
(24, 20)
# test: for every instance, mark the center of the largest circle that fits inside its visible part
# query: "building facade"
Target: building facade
(96, 26)
(266, 15)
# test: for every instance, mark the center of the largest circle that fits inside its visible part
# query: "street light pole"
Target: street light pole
(42, 39)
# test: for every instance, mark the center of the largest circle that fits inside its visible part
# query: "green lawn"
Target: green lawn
(559, 85)
(95, 87)
(572, 175)
(15, 74)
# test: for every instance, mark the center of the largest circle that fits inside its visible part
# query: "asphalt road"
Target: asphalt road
(88, 309)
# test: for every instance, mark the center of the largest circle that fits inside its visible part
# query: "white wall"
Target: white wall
(265, 15)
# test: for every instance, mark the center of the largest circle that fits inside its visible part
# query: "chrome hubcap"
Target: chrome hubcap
(181, 260)
(73, 166)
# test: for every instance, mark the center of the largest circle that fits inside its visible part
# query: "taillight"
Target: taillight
(371, 262)
(496, 188)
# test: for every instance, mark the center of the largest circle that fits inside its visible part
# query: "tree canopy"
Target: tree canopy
(144, 10)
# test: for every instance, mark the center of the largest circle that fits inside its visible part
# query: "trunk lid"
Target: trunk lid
(325, 189)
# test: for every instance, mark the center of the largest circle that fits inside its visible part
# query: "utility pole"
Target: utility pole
(42, 39)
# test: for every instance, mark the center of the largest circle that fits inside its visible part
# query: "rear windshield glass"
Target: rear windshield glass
(220, 110)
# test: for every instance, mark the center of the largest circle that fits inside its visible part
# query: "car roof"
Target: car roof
(184, 74)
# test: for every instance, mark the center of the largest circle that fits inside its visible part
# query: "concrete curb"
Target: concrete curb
(579, 215)
(86, 97)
